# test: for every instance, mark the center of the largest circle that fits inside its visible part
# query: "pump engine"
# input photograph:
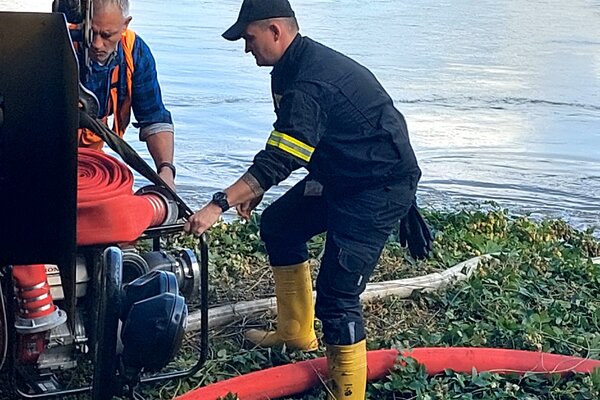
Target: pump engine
(85, 283)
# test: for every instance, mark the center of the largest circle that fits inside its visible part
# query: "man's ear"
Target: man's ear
(127, 21)
(275, 30)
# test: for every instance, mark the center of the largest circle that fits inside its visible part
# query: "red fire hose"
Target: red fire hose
(291, 379)
(107, 209)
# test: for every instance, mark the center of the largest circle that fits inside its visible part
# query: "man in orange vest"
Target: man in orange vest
(123, 77)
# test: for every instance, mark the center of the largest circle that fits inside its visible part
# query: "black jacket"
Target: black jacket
(335, 119)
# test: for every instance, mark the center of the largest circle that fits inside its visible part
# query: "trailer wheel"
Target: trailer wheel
(3, 329)
(7, 339)
(108, 304)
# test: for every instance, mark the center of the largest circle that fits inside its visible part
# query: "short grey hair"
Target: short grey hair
(291, 22)
(123, 5)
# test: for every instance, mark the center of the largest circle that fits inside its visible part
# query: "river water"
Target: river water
(502, 98)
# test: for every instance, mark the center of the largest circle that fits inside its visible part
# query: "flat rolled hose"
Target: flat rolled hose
(292, 379)
(107, 210)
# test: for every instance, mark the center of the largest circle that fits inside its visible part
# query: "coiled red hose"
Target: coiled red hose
(107, 210)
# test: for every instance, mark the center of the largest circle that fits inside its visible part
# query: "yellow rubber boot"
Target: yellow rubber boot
(295, 311)
(347, 371)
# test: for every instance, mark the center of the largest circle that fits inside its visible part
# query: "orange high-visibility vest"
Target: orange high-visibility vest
(121, 112)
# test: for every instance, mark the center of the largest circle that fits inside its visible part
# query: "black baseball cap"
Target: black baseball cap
(256, 10)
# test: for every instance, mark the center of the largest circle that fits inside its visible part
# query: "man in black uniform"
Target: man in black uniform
(335, 120)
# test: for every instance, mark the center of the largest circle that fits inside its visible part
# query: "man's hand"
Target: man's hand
(245, 209)
(203, 219)
(415, 234)
(239, 195)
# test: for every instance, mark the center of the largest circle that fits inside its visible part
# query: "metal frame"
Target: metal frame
(39, 118)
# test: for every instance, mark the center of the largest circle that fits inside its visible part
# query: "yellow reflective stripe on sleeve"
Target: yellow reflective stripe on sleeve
(291, 145)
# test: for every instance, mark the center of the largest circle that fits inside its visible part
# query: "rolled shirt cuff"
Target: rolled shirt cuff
(153, 129)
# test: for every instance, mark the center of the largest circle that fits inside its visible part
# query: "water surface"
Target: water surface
(502, 99)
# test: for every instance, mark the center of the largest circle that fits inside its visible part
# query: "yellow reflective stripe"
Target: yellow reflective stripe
(291, 145)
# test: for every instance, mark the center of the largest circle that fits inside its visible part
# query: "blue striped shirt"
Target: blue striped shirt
(146, 102)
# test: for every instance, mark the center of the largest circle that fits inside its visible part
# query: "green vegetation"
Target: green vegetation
(540, 291)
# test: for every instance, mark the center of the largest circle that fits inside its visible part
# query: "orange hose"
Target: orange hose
(291, 379)
(107, 210)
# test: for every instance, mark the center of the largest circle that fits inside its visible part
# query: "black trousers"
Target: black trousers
(358, 225)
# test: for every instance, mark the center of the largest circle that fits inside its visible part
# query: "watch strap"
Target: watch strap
(166, 164)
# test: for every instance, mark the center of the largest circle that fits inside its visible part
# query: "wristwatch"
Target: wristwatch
(220, 199)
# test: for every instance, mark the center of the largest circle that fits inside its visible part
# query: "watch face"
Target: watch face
(219, 196)
(220, 199)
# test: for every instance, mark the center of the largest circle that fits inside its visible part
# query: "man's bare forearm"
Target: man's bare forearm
(252, 182)
(161, 147)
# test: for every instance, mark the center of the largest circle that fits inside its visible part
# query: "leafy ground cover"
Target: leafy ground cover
(540, 292)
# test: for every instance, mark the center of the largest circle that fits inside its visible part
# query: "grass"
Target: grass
(540, 292)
